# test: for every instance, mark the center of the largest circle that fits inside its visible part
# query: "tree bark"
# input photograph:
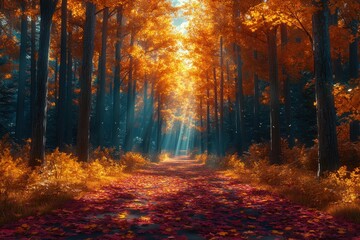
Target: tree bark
(117, 80)
(129, 137)
(216, 107)
(275, 155)
(208, 116)
(85, 84)
(61, 106)
(241, 139)
(159, 127)
(221, 125)
(37, 155)
(256, 104)
(20, 108)
(101, 87)
(287, 91)
(69, 91)
(326, 117)
(33, 86)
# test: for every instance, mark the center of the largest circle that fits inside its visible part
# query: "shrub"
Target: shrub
(133, 161)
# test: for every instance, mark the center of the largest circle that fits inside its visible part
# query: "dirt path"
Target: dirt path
(180, 199)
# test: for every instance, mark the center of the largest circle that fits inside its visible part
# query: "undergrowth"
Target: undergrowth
(24, 191)
(337, 193)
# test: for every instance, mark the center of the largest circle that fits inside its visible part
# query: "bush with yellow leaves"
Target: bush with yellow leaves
(13, 174)
(132, 161)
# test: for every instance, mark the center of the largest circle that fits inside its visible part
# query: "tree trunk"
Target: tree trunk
(326, 117)
(61, 106)
(159, 127)
(275, 155)
(33, 86)
(354, 74)
(256, 104)
(149, 126)
(241, 140)
(129, 137)
(216, 114)
(287, 91)
(85, 84)
(230, 105)
(117, 80)
(101, 87)
(37, 155)
(221, 126)
(208, 119)
(201, 127)
(69, 91)
(20, 108)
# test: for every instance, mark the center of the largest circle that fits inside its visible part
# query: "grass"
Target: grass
(337, 193)
(25, 192)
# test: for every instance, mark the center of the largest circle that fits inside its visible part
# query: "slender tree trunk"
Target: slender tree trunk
(33, 87)
(129, 137)
(221, 125)
(37, 155)
(354, 74)
(242, 145)
(101, 87)
(230, 104)
(287, 91)
(216, 107)
(149, 127)
(275, 155)
(208, 119)
(117, 80)
(326, 117)
(20, 108)
(159, 123)
(56, 79)
(201, 127)
(256, 104)
(61, 105)
(85, 84)
(69, 91)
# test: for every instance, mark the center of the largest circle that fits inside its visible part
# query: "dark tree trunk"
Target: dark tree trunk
(37, 155)
(241, 140)
(61, 105)
(117, 80)
(130, 114)
(216, 107)
(287, 91)
(221, 125)
(33, 86)
(159, 125)
(256, 104)
(85, 84)
(354, 74)
(69, 91)
(20, 108)
(101, 87)
(230, 105)
(208, 119)
(201, 127)
(56, 78)
(326, 117)
(149, 126)
(275, 155)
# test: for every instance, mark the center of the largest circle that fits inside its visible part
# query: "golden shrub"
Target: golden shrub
(133, 161)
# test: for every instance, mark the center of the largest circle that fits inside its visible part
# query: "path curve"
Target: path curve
(180, 199)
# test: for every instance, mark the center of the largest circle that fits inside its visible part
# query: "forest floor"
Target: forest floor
(181, 199)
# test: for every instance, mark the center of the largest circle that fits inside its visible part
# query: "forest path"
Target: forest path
(181, 199)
